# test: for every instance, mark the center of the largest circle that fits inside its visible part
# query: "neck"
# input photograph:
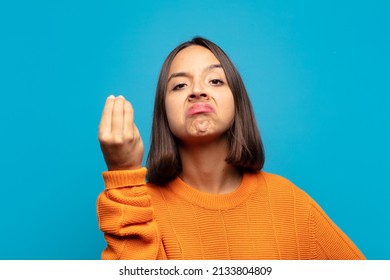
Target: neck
(204, 167)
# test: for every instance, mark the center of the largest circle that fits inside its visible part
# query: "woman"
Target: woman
(205, 196)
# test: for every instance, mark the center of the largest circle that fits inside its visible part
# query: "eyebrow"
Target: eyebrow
(185, 74)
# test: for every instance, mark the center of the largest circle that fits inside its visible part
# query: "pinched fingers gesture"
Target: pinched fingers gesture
(119, 138)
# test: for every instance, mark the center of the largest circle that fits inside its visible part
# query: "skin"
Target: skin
(200, 109)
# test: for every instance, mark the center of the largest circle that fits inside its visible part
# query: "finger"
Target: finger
(128, 118)
(117, 116)
(105, 122)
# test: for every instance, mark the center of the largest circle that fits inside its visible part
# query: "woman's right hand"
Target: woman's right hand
(119, 138)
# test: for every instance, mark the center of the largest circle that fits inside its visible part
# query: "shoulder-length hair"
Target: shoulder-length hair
(245, 148)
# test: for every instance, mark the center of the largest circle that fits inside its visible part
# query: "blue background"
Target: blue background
(317, 73)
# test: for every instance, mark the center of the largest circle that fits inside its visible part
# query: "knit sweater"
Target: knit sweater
(266, 217)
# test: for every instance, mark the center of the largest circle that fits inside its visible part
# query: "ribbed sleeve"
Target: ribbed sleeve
(125, 216)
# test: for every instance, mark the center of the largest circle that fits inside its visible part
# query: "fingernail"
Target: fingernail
(121, 96)
(111, 97)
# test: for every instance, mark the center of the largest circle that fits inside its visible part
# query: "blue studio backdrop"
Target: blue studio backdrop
(317, 73)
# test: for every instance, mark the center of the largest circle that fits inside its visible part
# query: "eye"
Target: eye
(179, 86)
(216, 82)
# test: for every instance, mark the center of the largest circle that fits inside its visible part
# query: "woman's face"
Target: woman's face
(198, 102)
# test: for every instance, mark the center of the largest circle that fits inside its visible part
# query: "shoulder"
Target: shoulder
(274, 179)
(279, 186)
(287, 201)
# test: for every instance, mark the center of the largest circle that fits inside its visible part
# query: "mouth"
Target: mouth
(199, 108)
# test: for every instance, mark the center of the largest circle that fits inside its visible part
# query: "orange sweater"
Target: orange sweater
(267, 217)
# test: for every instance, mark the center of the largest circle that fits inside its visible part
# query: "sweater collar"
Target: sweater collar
(249, 184)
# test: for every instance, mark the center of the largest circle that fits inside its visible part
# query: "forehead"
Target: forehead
(192, 57)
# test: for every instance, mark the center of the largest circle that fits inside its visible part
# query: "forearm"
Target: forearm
(125, 216)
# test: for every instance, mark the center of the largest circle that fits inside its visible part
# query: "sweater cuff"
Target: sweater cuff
(124, 178)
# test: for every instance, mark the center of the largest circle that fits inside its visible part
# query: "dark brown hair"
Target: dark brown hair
(246, 150)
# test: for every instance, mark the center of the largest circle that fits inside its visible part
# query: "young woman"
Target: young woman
(203, 194)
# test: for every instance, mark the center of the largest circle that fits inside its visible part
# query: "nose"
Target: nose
(194, 96)
(197, 93)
